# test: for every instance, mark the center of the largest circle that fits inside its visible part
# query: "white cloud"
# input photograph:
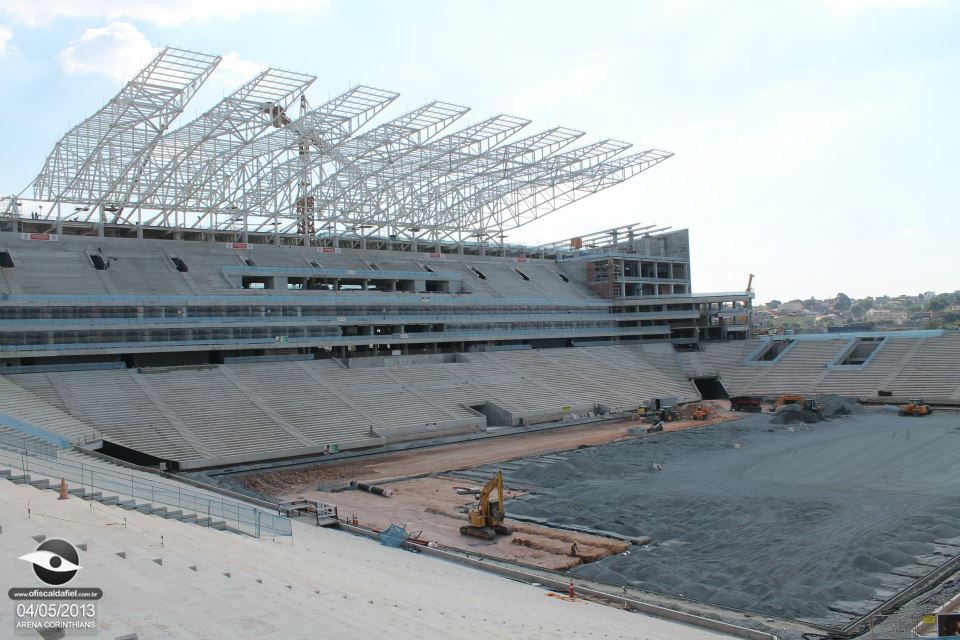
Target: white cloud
(163, 13)
(117, 50)
(234, 70)
(6, 34)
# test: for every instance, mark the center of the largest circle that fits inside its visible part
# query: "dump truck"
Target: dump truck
(752, 404)
(486, 517)
(916, 408)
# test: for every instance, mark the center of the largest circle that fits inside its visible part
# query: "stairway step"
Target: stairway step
(190, 517)
(42, 483)
(127, 504)
(80, 491)
(174, 515)
(109, 500)
(18, 479)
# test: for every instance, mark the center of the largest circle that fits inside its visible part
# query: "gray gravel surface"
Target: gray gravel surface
(808, 523)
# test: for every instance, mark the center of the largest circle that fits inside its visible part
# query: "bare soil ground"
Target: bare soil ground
(431, 508)
(463, 455)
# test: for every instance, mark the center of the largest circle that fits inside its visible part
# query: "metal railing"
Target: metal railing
(244, 518)
(336, 340)
(26, 446)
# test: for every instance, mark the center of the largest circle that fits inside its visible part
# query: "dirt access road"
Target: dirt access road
(462, 455)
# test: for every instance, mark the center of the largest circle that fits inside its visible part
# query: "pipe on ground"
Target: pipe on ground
(380, 491)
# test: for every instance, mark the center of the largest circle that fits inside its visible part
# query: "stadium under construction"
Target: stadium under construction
(278, 287)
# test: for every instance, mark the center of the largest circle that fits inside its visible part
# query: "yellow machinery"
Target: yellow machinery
(701, 412)
(804, 403)
(486, 518)
(789, 399)
(916, 408)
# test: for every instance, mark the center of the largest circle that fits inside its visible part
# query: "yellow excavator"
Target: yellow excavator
(804, 402)
(486, 518)
(916, 408)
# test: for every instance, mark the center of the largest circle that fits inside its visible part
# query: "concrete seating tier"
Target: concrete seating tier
(905, 366)
(204, 583)
(932, 371)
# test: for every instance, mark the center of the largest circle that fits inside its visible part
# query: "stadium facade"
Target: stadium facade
(159, 279)
(251, 231)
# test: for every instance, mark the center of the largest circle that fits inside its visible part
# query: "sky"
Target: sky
(816, 142)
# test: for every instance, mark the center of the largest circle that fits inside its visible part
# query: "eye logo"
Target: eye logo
(55, 561)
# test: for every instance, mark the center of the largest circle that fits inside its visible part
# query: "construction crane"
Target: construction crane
(486, 518)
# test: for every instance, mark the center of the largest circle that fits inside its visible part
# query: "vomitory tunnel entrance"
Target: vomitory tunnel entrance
(711, 388)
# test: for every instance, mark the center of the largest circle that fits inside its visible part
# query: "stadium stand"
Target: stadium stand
(224, 585)
(905, 365)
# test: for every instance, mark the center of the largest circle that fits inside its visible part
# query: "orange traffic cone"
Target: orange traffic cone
(63, 490)
(570, 591)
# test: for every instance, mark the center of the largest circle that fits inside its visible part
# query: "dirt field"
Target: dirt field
(407, 464)
(430, 507)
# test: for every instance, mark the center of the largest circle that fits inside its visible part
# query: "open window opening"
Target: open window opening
(773, 350)
(99, 263)
(862, 350)
(257, 282)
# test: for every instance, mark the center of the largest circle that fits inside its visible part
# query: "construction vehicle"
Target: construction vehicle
(664, 414)
(805, 403)
(751, 404)
(701, 412)
(788, 398)
(486, 518)
(916, 408)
